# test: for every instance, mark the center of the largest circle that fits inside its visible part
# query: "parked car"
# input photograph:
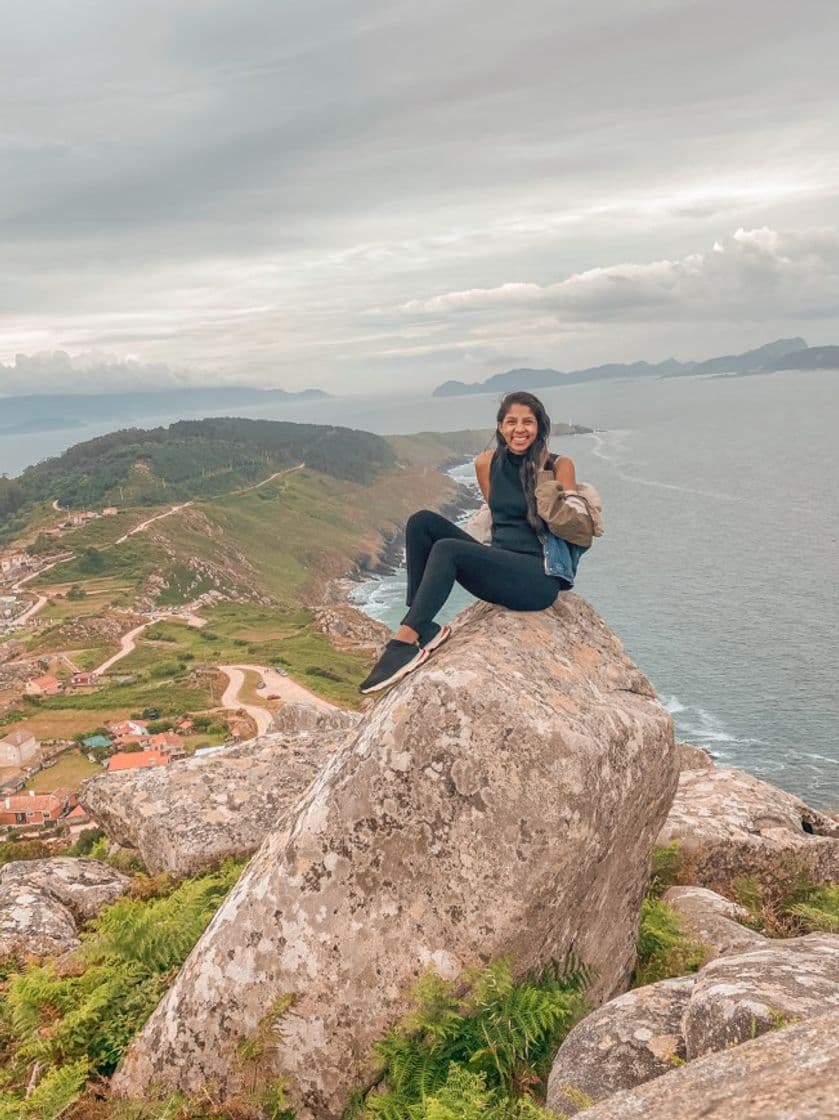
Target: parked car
(261, 684)
(151, 713)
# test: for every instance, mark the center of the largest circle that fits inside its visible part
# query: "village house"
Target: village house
(110, 511)
(43, 686)
(137, 760)
(76, 821)
(83, 679)
(13, 562)
(17, 748)
(27, 809)
(128, 728)
(168, 742)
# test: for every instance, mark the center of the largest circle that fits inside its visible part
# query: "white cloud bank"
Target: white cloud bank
(758, 274)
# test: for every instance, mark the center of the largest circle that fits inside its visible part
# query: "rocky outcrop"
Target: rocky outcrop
(628, 1041)
(694, 758)
(729, 824)
(714, 920)
(295, 717)
(737, 998)
(643, 1034)
(188, 816)
(348, 628)
(502, 800)
(44, 901)
(789, 1074)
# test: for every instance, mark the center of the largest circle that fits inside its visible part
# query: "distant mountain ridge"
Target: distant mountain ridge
(761, 359)
(63, 410)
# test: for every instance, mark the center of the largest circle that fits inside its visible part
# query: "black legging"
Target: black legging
(438, 554)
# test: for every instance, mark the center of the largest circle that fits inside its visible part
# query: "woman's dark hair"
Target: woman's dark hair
(533, 456)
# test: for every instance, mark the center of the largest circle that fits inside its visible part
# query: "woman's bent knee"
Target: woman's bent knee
(420, 520)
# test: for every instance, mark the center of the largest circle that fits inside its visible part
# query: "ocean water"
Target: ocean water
(718, 565)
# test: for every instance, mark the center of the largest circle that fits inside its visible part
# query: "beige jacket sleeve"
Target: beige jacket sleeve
(565, 513)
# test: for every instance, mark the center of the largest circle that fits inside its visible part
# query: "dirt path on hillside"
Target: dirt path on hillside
(141, 528)
(127, 644)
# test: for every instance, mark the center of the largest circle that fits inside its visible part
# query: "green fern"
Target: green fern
(820, 913)
(502, 1032)
(664, 949)
(84, 1017)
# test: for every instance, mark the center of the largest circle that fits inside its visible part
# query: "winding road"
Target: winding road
(289, 691)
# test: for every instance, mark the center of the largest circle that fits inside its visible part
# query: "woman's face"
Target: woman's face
(519, 428)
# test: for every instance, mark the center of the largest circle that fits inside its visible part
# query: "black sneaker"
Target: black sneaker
(434, 635)
(397, 660)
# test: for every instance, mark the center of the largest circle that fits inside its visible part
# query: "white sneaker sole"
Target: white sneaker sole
(443, 635)
(414, 663)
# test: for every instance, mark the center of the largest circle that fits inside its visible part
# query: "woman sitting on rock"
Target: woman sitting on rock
(524, 487)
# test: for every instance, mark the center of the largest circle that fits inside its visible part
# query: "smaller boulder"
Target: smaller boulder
(714, 920)
(739, 997)
(628, 1041)
(192, 814)
(730, 823)
(295, 717)
(790, 1074)
(43, 902)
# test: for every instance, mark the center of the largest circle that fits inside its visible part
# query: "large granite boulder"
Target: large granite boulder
(789, 1074)
(737, 998)
(729, 823)
(188, 816)
(628, 1041)
(502, 800)
(714, 920)
(44, 901)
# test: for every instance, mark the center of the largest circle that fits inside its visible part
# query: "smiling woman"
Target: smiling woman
(521, 482)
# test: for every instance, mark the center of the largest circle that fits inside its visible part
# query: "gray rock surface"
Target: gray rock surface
(307, 717)
(737, 998)
(790, 1074)
(44, 901)
(502, 800)
(628, 1041)
(730, 823)
(713, 920)
(188, 816)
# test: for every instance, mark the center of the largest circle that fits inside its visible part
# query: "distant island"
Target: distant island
(784, 353)
(39, 413)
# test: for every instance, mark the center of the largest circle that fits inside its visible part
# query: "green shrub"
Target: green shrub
(820, 912)
(11, 850)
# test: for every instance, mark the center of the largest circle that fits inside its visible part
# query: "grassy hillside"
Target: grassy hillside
(193, 458)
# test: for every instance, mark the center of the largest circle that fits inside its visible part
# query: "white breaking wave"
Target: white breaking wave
(599, 451)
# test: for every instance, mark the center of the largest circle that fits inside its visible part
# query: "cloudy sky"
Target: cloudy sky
(375, 195)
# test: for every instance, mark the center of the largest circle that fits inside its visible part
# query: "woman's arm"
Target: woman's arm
(482, 463)
(559, 506)
(564, 472)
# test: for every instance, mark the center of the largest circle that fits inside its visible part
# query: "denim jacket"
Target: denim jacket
(572, 520)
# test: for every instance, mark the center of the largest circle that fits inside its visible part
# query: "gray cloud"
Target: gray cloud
(234, 188)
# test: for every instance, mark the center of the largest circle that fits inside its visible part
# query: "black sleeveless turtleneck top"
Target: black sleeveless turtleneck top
(510, 528)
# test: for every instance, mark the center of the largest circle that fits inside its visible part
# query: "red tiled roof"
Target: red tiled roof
(166, 739)
(24, 803)
(136, 760)
(77, 814)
